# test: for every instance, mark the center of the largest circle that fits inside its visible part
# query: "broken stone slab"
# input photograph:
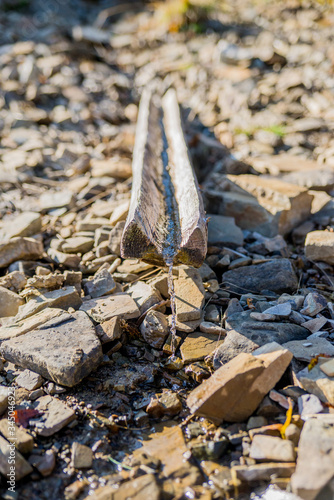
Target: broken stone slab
(189, 295)
(263, 472)
(134, 266)
(319, 246)
(223, 230)
(20, 327)
(144, 295)
(309, 404)
(236, 389)
(63, 298)
(70, 260)
(282, 310)
(276, 275)
(20, 248)
(25, 224)
(272, 448)
(284, 205)
(166, 216)
(142, 487)
(9, 302)
(314, 325)
(155, 329)
(198, 345)
(56, 415)
(315, 462)
(101, 284)
(77, 244)
(110, 330)
(234, 343)
(64, 351)
(307, 350)
(103, 309)
(9, 455)
(315, 381)
(29, 380)
(263, 332)
(23, 441)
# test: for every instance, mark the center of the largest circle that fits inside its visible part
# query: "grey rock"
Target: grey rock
(45, 463)
(65, 352)
(313, 304)
(319, 246)
(155, 329)
(306, 350)
(56, 415)
(223, 230)
(101, 284)
(211, 313)
(277, 276)
(115, 238)
(309, 404)
(20, 249)
(29, 380)
(282, 310)
(70, 260)
(8, 452)
(234, 343)
(9, 302)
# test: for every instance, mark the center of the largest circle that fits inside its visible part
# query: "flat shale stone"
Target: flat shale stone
(101, 284)
(25, 224)
(56, 415)
(236, 389)
(276, 275)
(9, 302)
(144, 295)
(233, 344)
(319, 246)
(143, 487)
(24, 442)
(306, 350)
(7, 451)
(223, 230)
(20, 248)
(317, 382)
(189, 295)
(64, 352)
(313, 304)
(77, 244)
(197, 345)
(272, 448)
(263, 472)
(29, 380)
(315, 463)
(20, 327)
(103, 309)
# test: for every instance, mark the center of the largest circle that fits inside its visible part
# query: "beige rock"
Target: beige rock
(317, 382)
(103, 309)
(7, 452)
(272, 448)
(15, 281)
(208, 327)
(4, 391)
(77, 244)
(82, 456)
(144, 295)
(24, 442)
(236, 389)
(133, 266)
(50, 280)
(143, 487)
(319, 246)
(328, 368)
(120, 213)
(25, 224)
(119, 168)
(197, 345)
(67, 259)
(29, 380)
(168, 403)
(9, 302)
(20, 327)
(20, 249)
(56, 415)
(189, 295)
(315, 463)
(110, 330)
(44, 463)
(263, 472)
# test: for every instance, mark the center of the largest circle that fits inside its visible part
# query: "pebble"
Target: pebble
(81, 456)
(101, 284)
(272, 448)
(25, 224)
(9, 302)
(207, 327)
(282, 310)
(29, 380)
(77, 244)
(211, 314)
(155, 329)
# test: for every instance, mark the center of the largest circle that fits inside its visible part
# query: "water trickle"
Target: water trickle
(171, 293)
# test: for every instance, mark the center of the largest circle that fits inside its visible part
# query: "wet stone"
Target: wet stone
(167, 404)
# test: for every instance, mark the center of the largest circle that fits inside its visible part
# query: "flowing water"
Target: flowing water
(171, 292)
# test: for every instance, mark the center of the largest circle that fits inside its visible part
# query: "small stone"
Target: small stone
(206, 272)
(319, 246)
(309, 404)
(223, 230)
(317, 382)
(280, 399)
(56, 415)
(29, 380)
(255, 422)
(236, 389)
(207, 327)
(3, 398)
(198, 345)
(155, 329)
(262, 316)
(315, 463)
(328, 366)
(292, 433)
(70, 260)
(234, 343)
(20, 248)
(144, 295)
(306, 351)
(189, 295)
(25, 224)
(77, 244)
(22, 467)
(103, 309)
(115, 237)
(314, 325)
(264, 472)
(142, 487)
(101, 284)
(9, 302)
(272, 448)
(110, 330)
(57, 199)
(23, 441)
(167, 404)
(276, 275)
(313, 304)
(44, 463)
(280, 310)
(64, 351)
(212, 314)
(14, 281)
(82, 456)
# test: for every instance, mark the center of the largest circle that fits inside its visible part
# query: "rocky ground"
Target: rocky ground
(102, 409)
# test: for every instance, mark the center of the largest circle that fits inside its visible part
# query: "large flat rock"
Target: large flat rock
(19, 327)
(276, 275)
(119, 304)
(64, 350)
(20, 249)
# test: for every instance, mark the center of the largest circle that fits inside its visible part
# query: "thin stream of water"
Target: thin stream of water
(171, 292)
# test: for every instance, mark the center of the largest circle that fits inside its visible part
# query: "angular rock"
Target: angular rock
(115, 238)
(3, 398)
(207, 327)
(236, 389)
(103, 309)
(101, 284)
(133, 266)
(319, 246)
(29, 380)
(142, 487)
(263, 472)
(272, 448)
(314, 303)
(315, 463)
(82, 456)
(77, 244)
(44, 463)
(309, 404)
(155, 329)
(110, 330)
(25, 224)
(14, 281)
(307, 350)
(198, 345)
(64, 298)
(9, 302)
(23, 326)
(70, 260)
(234, 343)
(276, 275)
(328, 368)
(144, 295)
(7, 453)
(20, 249)
(56, 415)
(315, 381)
(168, 403)
(64, 351)
(264, 332)
(223, 230)
(282, 310)
(189, 295)
(23, 441)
